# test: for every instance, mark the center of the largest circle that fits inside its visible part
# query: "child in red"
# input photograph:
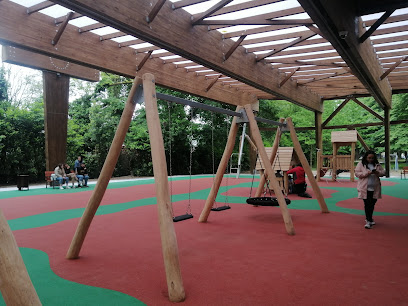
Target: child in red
(299, 181)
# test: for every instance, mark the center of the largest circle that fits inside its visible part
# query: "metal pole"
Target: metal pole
(241, 148)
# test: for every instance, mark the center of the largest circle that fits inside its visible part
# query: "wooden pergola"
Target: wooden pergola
(234, 52)
(304, 52)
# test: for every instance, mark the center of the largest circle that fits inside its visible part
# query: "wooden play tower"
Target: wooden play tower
(337, 162)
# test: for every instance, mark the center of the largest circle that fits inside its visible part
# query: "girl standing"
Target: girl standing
(369, 185)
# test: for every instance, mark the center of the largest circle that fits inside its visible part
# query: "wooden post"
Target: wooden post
(269, 171)
(319, 165)
(387, 140)
(229, 147)
(334, 162)
(106, 173)
(167, 232)
(271, 159)
(319, 142)
(306, 166)
(352, 157)
(15, 283)
(56, 94)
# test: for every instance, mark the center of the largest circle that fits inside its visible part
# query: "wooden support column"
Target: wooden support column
(229, 147)
(15, 283)
(352, 157)
(319, 131)
(306, 166)
(387, 140)
(334, 160)
(56, 94)
(271, 160)
(269, 171)
(106, 173)
(319, 142)
(167, 232)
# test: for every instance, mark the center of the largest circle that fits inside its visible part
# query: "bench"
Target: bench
(49, 179)
(404, 171)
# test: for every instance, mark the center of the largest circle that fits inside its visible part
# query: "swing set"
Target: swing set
(143, 90)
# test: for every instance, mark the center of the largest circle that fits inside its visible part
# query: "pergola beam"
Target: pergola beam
(376, 24)
(335, 112)
(172, 31)
(210, 11)
(288, 45)
(339, 23)
(17, 56)
(367, 109)
(121, 61)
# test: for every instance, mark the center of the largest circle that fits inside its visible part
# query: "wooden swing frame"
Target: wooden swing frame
(144, 89)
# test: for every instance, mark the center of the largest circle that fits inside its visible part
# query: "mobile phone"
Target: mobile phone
(374, 170)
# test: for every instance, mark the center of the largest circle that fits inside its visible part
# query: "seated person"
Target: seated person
(299, 186)
(82, 175)
(60, 175)
(71, 175)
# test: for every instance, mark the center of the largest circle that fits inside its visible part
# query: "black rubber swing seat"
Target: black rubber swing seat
(182, 217)
(265, 201)
(220, 208)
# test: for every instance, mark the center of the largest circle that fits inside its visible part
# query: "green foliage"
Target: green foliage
(93, 119)
(22, 142)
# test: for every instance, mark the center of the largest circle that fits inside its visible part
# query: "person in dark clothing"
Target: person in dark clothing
(299, 181)
(71, 175)
(82, 175)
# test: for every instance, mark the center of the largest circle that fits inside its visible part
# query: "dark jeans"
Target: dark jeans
(369, 204)
(299, 188)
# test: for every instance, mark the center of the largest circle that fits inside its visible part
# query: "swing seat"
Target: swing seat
(220, 208)
(182, 217)
(265, 201)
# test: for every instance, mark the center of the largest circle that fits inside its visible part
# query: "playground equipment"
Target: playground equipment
(338, 162)
(285, 158)
(143, 90)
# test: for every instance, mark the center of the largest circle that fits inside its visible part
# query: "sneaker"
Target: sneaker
(371, 222)
(68, 187)
(368, 225)
(61, 187)
(79, 186)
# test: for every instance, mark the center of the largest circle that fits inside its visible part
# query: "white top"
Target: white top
(371, 178)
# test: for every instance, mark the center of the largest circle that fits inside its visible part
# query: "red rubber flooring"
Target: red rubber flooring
(242, 256)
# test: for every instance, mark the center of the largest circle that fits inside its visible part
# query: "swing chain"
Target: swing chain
(170, 156)
(213, 154)
(191, 163)
(228, 165)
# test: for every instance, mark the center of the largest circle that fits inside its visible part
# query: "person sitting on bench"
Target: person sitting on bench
(299, 181)
(60, 175)
(82, 175)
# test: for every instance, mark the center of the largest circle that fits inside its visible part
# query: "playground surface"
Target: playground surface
(241, 256)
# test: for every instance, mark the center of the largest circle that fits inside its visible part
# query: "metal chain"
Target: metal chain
(213, 154)
(191, 162)
(228, 165)
(266, 180)
(253, 176)
(170, 161)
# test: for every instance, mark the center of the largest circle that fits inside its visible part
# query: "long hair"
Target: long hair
(364, 159)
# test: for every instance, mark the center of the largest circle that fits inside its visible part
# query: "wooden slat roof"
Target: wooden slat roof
(302, 71)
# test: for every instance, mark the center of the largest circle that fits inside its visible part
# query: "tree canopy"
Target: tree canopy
(191, 136)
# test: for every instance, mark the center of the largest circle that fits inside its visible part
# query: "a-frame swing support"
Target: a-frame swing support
(303, 161)
(143, 89)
